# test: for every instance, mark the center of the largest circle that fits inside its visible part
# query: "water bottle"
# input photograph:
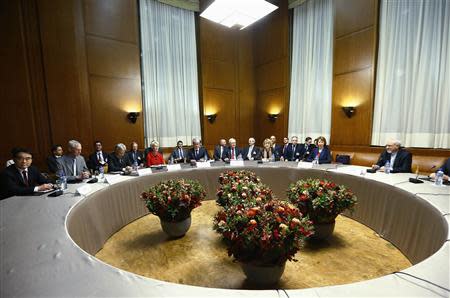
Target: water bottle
(63, 179)
(439, 178)
(387, 167)
(316, 160)
(135, 166)
(101, 171)
(272, 158)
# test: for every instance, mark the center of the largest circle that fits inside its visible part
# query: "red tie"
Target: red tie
(232, 153)
(25, 177)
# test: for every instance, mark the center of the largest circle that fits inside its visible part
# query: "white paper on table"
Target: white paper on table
(84, 190)
(174, 167)
(236, 163)
(144, 171)
(204, 164)
(304, 165)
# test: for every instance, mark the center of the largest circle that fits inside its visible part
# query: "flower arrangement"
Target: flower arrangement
(321, 200)
(238, 176)
(265, 233)
(243, 192)
(173, 200)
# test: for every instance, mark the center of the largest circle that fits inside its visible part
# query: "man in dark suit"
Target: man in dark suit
(98, 158)
(234, 153)
(444, 168)
(251, 152)
(21, 178)
(179, 154)
(276, 149)
(221, 151)
(197, 152)
(52, 160)
(308, 147)
(399, 159)
(285, 146)
(294, 151)
(135, 156)
(118, 160)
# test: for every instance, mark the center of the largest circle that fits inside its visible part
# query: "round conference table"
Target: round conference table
(47, 243)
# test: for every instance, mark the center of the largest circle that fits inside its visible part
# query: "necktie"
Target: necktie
(221, 151)
(25, 177)
(232, 153)
(293, 151)
(100, 157)
(180, 153)
(196, 153)
(134, 157)
(250, 149)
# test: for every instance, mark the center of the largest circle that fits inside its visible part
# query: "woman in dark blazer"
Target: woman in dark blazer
(321, 151)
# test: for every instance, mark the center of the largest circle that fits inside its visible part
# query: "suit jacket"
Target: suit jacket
(115, 164)
(402, 162)
(277, 149)
(291, 154)
(324, 157)
(445, 167)
(12, 183)
(52, 164)
(307, 150)
(283, 148)
(256, 153)
(65, 163)
(177, 157)
(137, 156)
(237, 153)
(202, 153)
(93, 162)
(217, 153)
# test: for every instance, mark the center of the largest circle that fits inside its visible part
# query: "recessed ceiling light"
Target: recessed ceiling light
(237, 12)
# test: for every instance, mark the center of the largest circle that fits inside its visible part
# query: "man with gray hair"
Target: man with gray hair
(197, 152)
(251, 152)
(399, 159)
(118, 161)
(73, 164)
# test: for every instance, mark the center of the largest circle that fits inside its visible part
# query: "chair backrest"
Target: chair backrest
(343, 159)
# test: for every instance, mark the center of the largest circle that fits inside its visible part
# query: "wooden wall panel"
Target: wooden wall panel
(217, 42)
(24, 111)
(355, 44)
(107, 57)
(354, 15)
(115, 19)
(271, 55)
(219, 74)
(354, 52)
(352, 89)
(63, 44)
(111, 100)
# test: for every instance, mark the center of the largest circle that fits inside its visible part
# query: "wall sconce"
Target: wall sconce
(211, 118)
(132, 116)
(272, 117)
(349, 111)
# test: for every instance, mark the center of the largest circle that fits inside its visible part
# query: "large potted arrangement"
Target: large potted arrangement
(172, 201)
(238, 176)
(322, 201)
(242, 192)
(262, 237)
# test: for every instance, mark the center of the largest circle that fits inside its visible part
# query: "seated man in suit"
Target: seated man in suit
(285, 146)
(118, 160)
(234, 153)
(21, 178)
(135, 156)
(294, 151)
(444, 168)
(251, 152)
(73, 165)
(399, 159)
(52, 160)
(178, 154)
(197, 152)
(154, 157)
(308, 147)
(275, 147)
(98, 158)
(221, 151)
(321, 153)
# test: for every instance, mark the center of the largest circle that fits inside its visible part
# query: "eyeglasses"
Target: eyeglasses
(24, 158)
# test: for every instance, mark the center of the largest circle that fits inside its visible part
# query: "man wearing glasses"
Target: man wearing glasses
(21, 178)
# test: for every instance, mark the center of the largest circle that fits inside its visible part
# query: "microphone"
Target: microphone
(416, 180)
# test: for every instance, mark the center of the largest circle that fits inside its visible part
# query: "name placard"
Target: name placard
(304, 165)
(204, 164)
(113, 179)
(236, 163)
(174, 167)
(144, 171)
(84, 190)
